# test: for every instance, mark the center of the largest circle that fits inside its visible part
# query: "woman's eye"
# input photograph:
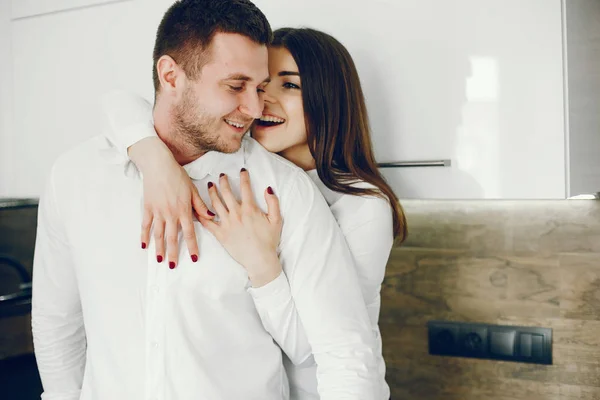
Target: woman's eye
(260, 90)
(290, 85)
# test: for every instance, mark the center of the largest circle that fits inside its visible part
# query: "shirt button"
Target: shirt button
(155, 345)
(155, 289)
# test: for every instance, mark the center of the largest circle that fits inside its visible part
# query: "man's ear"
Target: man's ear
(170, 74)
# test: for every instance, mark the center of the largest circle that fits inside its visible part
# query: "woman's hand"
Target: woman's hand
(250, 236)
(170, 197)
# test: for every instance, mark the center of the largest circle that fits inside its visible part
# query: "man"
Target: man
(110, 322)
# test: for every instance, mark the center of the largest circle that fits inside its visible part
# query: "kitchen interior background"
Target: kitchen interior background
(507, 90)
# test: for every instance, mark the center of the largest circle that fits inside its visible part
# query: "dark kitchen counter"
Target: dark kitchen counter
(12, 202)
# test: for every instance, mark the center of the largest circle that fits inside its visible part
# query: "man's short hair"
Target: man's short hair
(188, 27)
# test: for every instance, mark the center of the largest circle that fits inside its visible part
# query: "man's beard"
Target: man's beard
(195, 129)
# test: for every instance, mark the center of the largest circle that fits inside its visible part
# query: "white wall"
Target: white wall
(476, 81)
(6, 81)
(62, 62)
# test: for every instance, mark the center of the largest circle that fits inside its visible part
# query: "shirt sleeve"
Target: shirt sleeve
(128, 119)
(326, 294)
(370, 239)
(57, 320)
(279, 316)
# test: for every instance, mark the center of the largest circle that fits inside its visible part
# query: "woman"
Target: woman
(314, 116)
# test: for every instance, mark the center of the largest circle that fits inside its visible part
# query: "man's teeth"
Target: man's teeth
(236, 124)
(269, 118)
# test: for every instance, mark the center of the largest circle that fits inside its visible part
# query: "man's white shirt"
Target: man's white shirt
(109, 322)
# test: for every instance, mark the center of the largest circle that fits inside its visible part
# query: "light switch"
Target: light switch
(525, 345)
(502, 343)
(537, 346)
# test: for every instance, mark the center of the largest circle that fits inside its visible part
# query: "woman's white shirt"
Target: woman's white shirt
(367, 225)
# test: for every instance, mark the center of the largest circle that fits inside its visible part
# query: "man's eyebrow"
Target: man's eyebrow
(238, 77)
(242, 77)
(288, 73)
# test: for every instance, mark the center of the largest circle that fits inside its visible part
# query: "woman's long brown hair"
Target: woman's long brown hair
(336, 118)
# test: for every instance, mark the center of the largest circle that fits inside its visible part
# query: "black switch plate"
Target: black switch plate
(496, 342)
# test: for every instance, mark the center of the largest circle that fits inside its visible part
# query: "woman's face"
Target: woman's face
(281, 128)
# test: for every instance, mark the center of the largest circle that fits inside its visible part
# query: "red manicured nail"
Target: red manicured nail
(221, 175)
(194, 258)
(143, 245)
(159, 259)
(210, 184)
(212, 214)
(269, 190)
(171, 264)
(243, 169)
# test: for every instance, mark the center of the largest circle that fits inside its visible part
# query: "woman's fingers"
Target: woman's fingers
(189, 235)
(169, 231)
(159, 238)
(198, 205)
(172, 242)
(146, 226)
(273, 211)
(246, 188)
(225, 189)
(216, 201)
(211, 226)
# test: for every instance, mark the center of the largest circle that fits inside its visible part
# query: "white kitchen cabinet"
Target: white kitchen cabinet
(477, 82)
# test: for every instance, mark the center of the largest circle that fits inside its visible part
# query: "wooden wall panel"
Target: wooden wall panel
(532, 263)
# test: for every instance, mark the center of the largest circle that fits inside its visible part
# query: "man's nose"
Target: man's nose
(252, 104)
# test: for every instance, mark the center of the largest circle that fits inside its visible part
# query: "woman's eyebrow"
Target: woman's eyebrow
(288, 73)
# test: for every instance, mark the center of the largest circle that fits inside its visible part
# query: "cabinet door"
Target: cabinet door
(479, 82)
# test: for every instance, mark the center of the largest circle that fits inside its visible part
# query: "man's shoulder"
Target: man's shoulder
(85, 161)
(290, 182)
(85, 155)
(282, 174)
(273, 165)
(261, 156)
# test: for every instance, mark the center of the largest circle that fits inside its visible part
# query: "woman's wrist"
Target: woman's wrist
(149, 152)
(265, 273)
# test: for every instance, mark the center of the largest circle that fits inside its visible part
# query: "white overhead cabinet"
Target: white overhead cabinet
(477, 82)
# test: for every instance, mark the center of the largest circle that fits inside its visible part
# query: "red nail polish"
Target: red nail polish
(159, 259)
(243, 169)
(143, 245)
(221, 175)
(269, 190)
(171, 264)
(210, 184)
(194, 258)
(212, 214)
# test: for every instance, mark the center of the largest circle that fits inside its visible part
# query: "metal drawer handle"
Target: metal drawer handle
(414, 164)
